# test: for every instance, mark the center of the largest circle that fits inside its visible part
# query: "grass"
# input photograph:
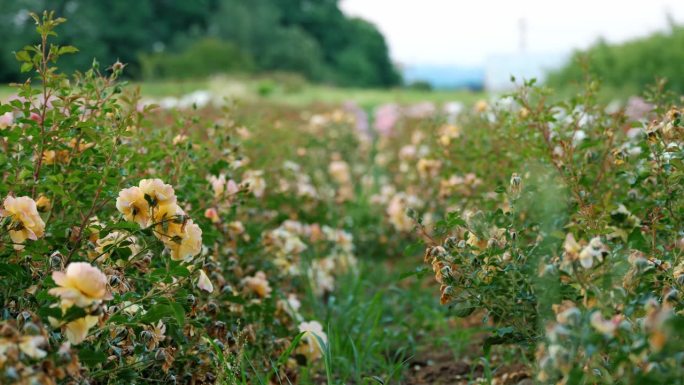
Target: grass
(377, 322)
(300, 94)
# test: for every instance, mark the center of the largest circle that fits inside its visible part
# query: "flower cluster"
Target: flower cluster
(153, 204)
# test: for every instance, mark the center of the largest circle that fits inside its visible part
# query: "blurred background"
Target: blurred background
(379, 44)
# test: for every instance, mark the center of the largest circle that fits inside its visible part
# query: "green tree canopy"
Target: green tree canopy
(159, 38)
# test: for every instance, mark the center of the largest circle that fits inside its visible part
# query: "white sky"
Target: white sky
(466, 32)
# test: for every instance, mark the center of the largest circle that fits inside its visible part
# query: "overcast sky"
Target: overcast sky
(466, 32)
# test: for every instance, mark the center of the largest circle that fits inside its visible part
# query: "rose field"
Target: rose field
(236, 232)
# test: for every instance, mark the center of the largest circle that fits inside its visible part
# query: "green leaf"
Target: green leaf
(23, 56)
(91, 357)
(164, 309)
(67, 49)
(418, 272)
(637, 241)
(462, 309)
(286, 354)
(73, 313)
(179, 313)
(26, 67)
(13, 271)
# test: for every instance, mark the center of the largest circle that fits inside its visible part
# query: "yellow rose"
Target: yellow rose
(25, 221)
(132, 204)
(161, 193)
(81, 285)
(43, 204)
(164, 215)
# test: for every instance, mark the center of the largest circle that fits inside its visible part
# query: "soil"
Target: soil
(439, 368)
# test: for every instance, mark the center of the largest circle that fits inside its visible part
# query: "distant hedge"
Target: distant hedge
(631, 65)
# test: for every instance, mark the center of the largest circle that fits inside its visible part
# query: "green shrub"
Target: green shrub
(203, 58)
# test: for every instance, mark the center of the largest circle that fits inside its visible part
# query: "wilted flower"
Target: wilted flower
(30, 345)
(606, 327)
(105, 246)
(258, 284)
(81, 285)
(515, 184)
(428, 168)
(594, 250)
(25, 223)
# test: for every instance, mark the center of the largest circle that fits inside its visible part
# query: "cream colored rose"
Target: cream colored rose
(25, 223)
(77, 330)
(81, 285)
(158, 191)
(218, 184)
(257, 183)
(339, 170)
(6, 120)
(132, 204)
(164, 215)
(185, 242)
(310, 344)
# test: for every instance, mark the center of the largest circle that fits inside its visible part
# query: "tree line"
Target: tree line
(180, 39)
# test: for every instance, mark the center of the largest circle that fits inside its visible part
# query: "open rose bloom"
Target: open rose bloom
(153, 203)
(25, 221)
(81, 285)
(132, 204)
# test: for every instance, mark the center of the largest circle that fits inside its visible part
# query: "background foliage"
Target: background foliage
(631, 66)
(167, 38)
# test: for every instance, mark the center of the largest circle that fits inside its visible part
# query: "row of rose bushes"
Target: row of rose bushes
(144, 245)
(558, 223)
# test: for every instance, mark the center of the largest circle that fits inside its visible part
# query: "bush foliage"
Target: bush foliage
(144, 245)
